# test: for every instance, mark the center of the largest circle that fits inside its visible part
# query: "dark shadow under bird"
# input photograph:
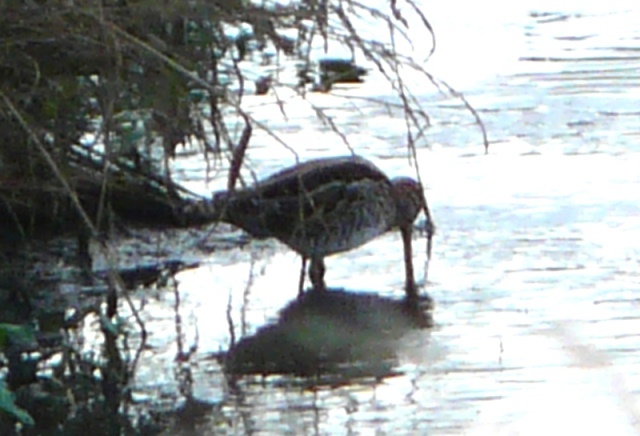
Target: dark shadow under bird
(332, 337)
(322, 207)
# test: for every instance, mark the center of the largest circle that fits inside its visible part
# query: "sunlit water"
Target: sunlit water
(535, 265)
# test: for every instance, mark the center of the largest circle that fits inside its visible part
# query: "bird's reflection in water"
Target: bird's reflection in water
(333, 332)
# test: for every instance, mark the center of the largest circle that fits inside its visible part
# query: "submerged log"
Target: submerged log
(32, 206)
(330, 71)
(341, 71)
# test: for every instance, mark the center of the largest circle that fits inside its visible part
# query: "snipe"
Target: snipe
(322, 207)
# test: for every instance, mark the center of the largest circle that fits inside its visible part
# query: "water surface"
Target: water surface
(535, 264)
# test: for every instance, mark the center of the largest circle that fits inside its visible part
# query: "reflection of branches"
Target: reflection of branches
(230, 323)
(183, 368)
(243, 307)
(246, 294)
(244, 408)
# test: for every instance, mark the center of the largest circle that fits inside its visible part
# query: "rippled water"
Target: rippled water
(535, 265)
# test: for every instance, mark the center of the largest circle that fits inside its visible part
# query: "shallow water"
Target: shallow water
(535, 263)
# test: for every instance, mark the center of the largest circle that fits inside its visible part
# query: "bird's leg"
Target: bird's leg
(316, 273)
(303, 271)
(410, 284)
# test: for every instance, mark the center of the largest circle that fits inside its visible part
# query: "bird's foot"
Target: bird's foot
(318, 287)
(414, 298)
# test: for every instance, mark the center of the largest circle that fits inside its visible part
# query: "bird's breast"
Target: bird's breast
(345, 229)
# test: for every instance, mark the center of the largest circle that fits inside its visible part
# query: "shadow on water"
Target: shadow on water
(334, 335)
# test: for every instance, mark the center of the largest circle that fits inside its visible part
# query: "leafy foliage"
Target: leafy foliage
(8, 406)
(20, 335)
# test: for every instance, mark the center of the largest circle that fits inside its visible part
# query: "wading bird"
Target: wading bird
(322, 207)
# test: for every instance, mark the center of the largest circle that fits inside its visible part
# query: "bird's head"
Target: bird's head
(410, 200)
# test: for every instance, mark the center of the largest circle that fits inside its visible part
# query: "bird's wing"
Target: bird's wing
(310, 176)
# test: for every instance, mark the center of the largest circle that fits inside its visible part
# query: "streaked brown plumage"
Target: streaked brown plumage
(322, 207)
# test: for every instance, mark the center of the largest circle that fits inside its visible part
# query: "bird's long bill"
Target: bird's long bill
(431, 229)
